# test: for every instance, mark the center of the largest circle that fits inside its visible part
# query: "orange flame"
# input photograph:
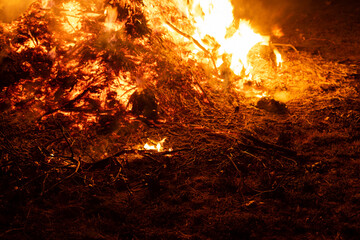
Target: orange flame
(46, 4)
(111, 19)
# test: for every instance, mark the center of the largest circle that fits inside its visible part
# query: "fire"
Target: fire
(218, 34)
(277, 31)
(279, 59)
(46, 4)
(215, 19)
(152, 147)
(157, 147)
(93, 63)
(207, 23)
(72, 21)
(111, 14)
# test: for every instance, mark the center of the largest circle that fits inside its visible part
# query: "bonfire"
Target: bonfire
(139, 96)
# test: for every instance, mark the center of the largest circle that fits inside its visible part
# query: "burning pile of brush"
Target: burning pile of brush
(62, 53)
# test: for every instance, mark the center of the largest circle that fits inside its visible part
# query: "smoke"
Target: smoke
(12, 9)
(265, 14)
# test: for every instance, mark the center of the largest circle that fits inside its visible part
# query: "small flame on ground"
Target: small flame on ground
(157, 147)
(152, 147)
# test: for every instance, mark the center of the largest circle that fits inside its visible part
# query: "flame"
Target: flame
(215, 19)
(157, 147)
(152, 147)
(262, 95)
(111, 23)
(72, 21)
(279, 59)
(210, 27)
(46, 4)
(277, 31)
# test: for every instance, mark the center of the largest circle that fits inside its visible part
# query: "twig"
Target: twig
(33, 39)
(240, 175)
(66, 139)
(252, 155)
(270, 190)
(124, 179)
(285, 45)
(72, 174)
(127, 91)
(44, 181)
(67, 20)
(76, 170)
(9, 143)
(290, 159)
(321, 39)
(101, 163)
(11, 230)
(259, 142)
(235, 166)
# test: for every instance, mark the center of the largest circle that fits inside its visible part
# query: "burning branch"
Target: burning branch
(194, 41)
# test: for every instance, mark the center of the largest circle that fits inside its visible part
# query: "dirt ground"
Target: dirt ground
(271, 174)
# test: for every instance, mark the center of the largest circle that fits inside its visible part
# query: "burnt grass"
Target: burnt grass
(284, 177)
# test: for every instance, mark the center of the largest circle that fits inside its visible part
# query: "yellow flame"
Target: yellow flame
(73, 15)
(262, 95)
(157, 147)
(152, 147)
(215, 18)
(279, 59)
